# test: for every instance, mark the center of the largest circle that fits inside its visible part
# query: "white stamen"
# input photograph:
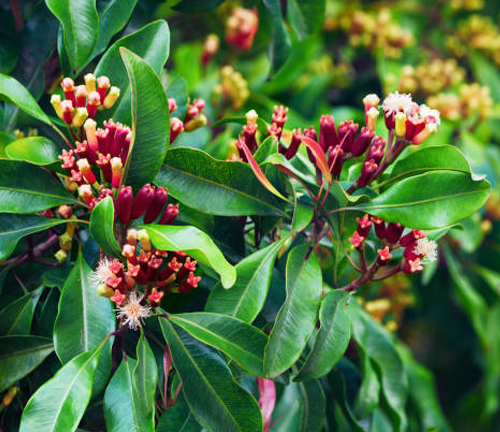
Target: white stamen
(398, 102)
(427, 248)
(102, 272)
(133, 312)
(426, 112)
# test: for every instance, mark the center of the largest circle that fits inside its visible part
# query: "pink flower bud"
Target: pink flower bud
(364, 225)
(103, 85)
(94, 100)
(85, 192)
(170, 214)
(84, 167)
(104, 162)
(172, 105)
(67, 111)
(411, 237)
(191, 282)
(126, 146)
(102, 140)
(369, 168)
(142, 201)
(81, 96)
(65, 211)
(362, 142)
(356, 239)
(347, 132)
(68, 86)
(384, 256)
(412, 266)
(90, 132)
(124, 204)
(176, 127)
(327, 134)
(68, 160)
(155, 297)
(159, 200)
(116, 171)
(119, 139)
(84, 151)
(377, 150)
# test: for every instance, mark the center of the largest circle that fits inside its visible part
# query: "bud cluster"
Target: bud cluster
(194, 118)
(83, 101)
(232, 90)
(241, 27)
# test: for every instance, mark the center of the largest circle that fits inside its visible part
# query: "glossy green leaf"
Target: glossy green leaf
(196, 244)
(84, 318)
(176, 88)
(368, 396)
(288, 411)
(237, 339)
(151, 43)
(145, 376)
(80, 24)
(306, 16)
(13, 92)
(113, 15)
(101, 227)
(214, 397)
(122, 407)
(197, 6)
(25, 188)
(281, 43)
(15, 318)
(486, 73)
(225, 188)
(242, 120)
(178, 418)
(246, 298)
(150, 120)
(297, 317)
(431, 200)
(13, 227)
(19, 355)
(313, 404)
(35, 150)
(431, 158)
(332, 338)
(59, 404)
(380, 348)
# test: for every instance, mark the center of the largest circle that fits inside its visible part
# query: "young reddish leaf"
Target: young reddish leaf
(267, 400)
(319, 154)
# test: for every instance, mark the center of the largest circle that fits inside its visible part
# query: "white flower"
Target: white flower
(398, 102)
(426, 112)
(102, 272)
(427, 248)
(133, 312)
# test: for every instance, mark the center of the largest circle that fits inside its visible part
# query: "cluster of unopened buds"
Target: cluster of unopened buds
(418, 249)
(232, 90)
(241, 28)
(83, 101)
(193, 119)
(147, 274)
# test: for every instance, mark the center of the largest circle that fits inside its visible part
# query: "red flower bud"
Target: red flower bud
(124, 204)
(142, 201)
(384, 255)
(67, 111)
(394, 231)
(103, 85)
(411, 237)
(84, 151)
(68, 86)
(356, 239)
(369, 167)
(159, 200)
(94, 100)
(335, 160)
(327, 134)
(68, 160)
(126, 146)
(347, 131)
(102, 140)
(362, 142)
(170, 214)
(176, 127)
(84, 167)
(311, 133)
(118, 140)
(380, 229)
(191, 282)
(364, 225)
(294, 144)
(155, 297)
(104, 163)
(81, 96)
(377, 150)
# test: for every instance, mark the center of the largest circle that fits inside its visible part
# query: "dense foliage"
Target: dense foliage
(263, 215)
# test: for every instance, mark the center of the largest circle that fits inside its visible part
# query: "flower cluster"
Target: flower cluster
(145, 277)
(232, 90)
(193, 119)
(241, 28)
(83, 101)
(418, 249)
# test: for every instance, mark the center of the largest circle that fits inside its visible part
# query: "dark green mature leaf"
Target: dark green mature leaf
(36, 150)
(246, 298)
(196, 244)
(297, 317)
(113, 15)
(13, 92)
(25, 188)
(428, 201)
(15, 318)
(197, 6)
(380, 348)
(281, 43)
(84, 318)
(101, 228)
(306, 16)
(178, 418)
(226, 188)
(486, 73)
(13, 227)
(145, 376)
(431, 158)
(80, 24)
(176, 88)
(122, 407)
(214, 397)
(287, 413)
(313, 403)
(19, 355)
(151, 43)
(331, 340)
(150, 122)
(240, 341)
(368, 395)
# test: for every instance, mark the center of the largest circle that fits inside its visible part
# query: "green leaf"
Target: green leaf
(113, 15)
(13, 227)
(15, 318)
(19, 355)
(297, 317)
(431, 158)
(150, 122)
(151, 43)
(240, 341)
(379, 347)
(145, 376)
(487, 74)
(313, 404)
(197, 6)
(102, 221)
(368, 395)
(80, 24)
(196, 244)
(84, 318)
(176, 88)
(13, 92)
(242, 120)
(246, 298)
(26, 188)
(213, 396)
(122, 408)
(332, 338)
(281, 43)
(306, 16)
(60, 403)
(178, 418)
(35, 150)
(225, 188)
(428, 201)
